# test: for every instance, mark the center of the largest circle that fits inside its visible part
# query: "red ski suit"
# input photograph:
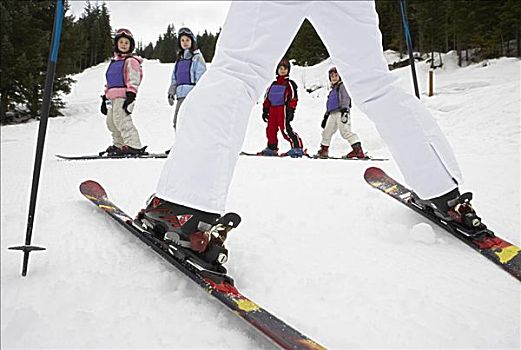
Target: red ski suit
(280, 102)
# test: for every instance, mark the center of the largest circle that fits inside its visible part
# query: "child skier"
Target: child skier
(278, 111)
(124, 75)
(338, 117)
(188, 69)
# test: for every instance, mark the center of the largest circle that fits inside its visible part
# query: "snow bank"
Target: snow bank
(317, 246)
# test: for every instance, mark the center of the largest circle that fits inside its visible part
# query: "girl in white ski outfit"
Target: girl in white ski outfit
(196, 177)
(200, 171)
(338, 117)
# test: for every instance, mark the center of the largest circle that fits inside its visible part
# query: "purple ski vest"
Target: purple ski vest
(276, 95)
(182, 72)
(114, 74)
(333, 100)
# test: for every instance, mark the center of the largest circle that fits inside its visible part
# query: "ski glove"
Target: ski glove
(344, 118)
(290, 114)
(324, 121)
(265, 115)
(171, 94)
(103, 107)
(128, 105)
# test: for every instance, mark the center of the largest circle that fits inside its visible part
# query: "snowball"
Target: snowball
(423, 232)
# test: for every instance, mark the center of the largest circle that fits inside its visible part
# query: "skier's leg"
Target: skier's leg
(286, 130)
(117, 139)
(213, 119)
(346, 133)
(271, 132)
(330, 129)
(290, 135)
(177, 106)
(124, 124)
(351, 35)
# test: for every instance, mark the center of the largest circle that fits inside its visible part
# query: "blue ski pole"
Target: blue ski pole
(408, 40)
(44, 115)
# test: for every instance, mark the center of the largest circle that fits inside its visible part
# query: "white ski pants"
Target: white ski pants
(334, 123)
(254, 38)
(121, 126)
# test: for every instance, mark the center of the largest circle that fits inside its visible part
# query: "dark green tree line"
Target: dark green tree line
(165, 49)
(476, 29)
(25, 43)
(307, 47)
(486, 29)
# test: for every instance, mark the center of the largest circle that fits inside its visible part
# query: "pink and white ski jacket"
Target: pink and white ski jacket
(132, 76)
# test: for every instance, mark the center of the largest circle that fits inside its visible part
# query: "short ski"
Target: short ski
(502, 253)
(220, 286)
(282, 155)
(368, 158)
(122, 156)
(306, 155)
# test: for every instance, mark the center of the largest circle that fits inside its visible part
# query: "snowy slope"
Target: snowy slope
(317, 246)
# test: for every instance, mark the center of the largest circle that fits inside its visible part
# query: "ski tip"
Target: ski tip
(61, 157)
(373, 172)
(91, 188)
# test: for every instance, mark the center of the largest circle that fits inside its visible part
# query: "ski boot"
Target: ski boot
(269, 152)
(192, 234)
(357, 152)
(455, 208)
(295, 152)
(323, 152)
(111, 151)
(126, 150)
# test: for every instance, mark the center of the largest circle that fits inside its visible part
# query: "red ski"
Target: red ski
(219, 286)
(502, 253)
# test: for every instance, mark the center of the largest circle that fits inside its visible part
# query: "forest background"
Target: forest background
(475, 29)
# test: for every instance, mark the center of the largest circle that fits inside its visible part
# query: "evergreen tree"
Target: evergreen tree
(510, 27)
(25, 44)
(148, 51)
(165, 48)
(206, 44)
(391, 25)
(168, 50)
(26, 34)
(307, 47)
(95, 35)
(105, 40)
(476, 29)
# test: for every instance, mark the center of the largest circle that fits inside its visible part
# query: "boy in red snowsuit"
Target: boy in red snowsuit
(278, 111)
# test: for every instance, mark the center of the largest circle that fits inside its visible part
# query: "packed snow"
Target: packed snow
(318, 247)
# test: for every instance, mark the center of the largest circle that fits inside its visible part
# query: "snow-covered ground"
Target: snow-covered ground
(317, 246)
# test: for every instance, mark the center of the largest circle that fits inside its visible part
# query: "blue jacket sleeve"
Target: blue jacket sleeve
(199, 67)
